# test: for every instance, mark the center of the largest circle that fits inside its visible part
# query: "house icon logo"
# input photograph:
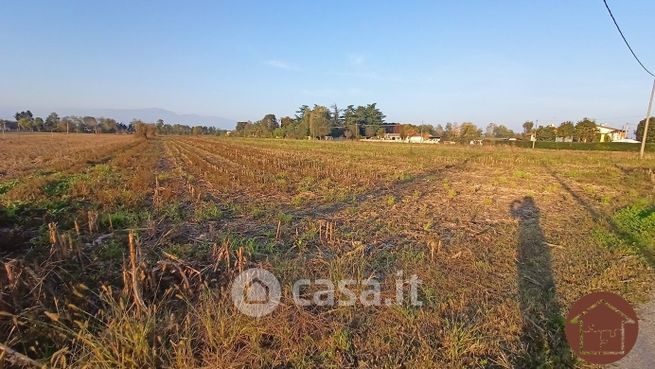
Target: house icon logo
(601, 327)
(256, 292)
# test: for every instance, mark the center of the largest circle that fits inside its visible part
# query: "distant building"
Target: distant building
(8, 125)
(609, 134)
(391, 128)
(423, 139)
(627, 140)
(564, 139)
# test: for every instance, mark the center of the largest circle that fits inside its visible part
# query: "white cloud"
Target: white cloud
(357, 59)
(280, 64)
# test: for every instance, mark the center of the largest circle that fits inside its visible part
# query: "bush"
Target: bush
(144, 130)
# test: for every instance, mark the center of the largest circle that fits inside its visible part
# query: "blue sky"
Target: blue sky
(436, 62)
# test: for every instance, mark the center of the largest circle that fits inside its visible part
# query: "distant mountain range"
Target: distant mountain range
(126, 115)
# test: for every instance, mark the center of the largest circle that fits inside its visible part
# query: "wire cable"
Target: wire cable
(626, 41)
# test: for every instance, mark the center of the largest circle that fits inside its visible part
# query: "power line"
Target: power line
(625, 40)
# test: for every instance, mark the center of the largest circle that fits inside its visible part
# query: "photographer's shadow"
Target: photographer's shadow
(542, 335)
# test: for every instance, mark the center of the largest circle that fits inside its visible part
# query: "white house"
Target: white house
(422, 139)
(392, 136)
(609, 134)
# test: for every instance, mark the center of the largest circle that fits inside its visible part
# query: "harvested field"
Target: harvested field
(54, 152)
(119, 252)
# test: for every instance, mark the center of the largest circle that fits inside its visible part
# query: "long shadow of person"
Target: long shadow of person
(542, 333)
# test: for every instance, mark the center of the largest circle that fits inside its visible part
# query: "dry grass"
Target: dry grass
(504, 240)
(23, 153)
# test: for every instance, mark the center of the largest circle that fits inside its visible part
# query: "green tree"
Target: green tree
(24, 114)
(90, 124)
(528, 127)
(452, 132)
(368, 118)
(373, 115)
(37, 124)
(650, 137)
(65, 125)
(547, 133)
(337, 120)
(469, 132)
(301, 112)
(319, 122)
(490, 130)
(407, 130)
(566, 129)
(25, 124)
(241, 127)
(370, 131)
(302, 122)
(51, 122)
(585, 130)
(107, 125)
(426, 130)
(72, 123)
(24, 119)
(287, 126)
(301, 130)
(286, 122)
(500, 131)
(439, 130)
(351, 122)
(269, 123)
(159, 124)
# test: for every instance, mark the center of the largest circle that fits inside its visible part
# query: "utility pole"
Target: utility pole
(533, 135)
(626, 129)
(645, 134)
(421, 131)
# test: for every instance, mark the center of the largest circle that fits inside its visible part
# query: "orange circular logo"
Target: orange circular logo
(601, 327)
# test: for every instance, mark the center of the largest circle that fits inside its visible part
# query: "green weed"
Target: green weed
(207, 211)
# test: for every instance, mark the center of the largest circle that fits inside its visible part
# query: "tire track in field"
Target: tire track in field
(419, 185)
(398, 188)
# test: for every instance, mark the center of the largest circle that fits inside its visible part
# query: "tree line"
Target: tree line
(27, 122)
(367, 121)
(318, 122)
(585, 130)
